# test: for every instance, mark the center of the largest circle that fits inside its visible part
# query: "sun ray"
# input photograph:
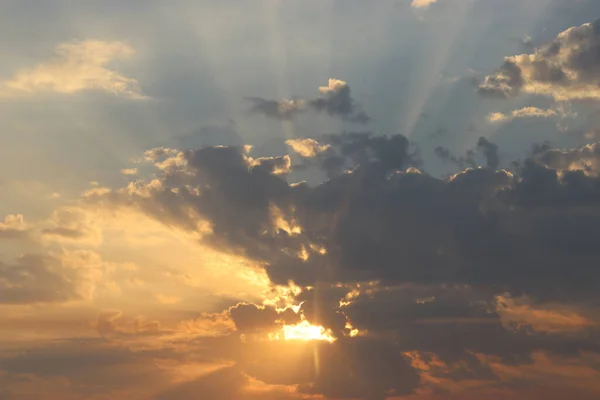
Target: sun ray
(436, 60)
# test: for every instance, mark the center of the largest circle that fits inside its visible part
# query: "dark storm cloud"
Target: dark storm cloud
(565, 68)
(483, 231)
(479, 227)
(335, 100)
(451, 246)
(447, 320)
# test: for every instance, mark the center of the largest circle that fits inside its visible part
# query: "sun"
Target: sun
(307, 332)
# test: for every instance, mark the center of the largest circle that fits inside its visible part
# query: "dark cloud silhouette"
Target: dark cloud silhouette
(507, 81)
(490, 151)
(484, 146)
(250, 317)
(283, 109)
(335, 100)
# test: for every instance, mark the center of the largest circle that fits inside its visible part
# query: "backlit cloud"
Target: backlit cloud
(525, 112)
(79, 66)
(307, 147)
(565, 68)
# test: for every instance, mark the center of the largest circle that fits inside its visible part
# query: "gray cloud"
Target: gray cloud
(52, 278)
(335, 100)
(585, 158)
(432, 254)
(283, 109)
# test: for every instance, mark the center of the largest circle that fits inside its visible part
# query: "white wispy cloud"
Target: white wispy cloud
(525, 112)
(79, 66)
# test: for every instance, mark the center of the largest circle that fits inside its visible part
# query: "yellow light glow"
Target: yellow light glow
(306, 331)
(353, 332)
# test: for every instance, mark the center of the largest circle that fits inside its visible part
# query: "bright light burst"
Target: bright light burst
(306, 331)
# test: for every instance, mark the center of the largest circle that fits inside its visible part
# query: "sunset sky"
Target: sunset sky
(300, 199)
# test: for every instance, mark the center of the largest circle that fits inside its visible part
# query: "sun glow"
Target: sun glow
(306, 331)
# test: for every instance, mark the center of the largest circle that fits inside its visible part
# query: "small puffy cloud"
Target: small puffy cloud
(565, 69)
(336, 100)
(422, 3)
(307, 147)
(129, 171)
(497, 117)
(79, 66)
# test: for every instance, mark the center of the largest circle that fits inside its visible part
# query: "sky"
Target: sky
(299, 199)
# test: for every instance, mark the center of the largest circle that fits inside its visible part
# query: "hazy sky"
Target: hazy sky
(299, 199)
